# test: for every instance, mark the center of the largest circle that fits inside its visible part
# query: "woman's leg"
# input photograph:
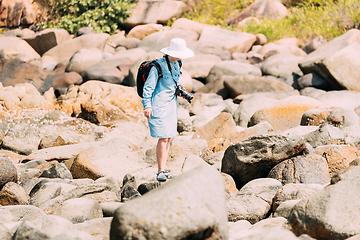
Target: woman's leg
(162, 152)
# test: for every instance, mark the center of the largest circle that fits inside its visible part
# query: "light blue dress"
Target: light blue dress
(160, 96)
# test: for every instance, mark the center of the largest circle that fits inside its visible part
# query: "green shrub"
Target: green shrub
(103, 15)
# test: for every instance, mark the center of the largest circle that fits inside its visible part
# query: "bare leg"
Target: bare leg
(162, 152)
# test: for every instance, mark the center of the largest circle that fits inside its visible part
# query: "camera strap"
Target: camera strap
(169, 66)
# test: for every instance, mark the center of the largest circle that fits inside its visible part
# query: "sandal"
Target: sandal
(169, 176)
(161, 176)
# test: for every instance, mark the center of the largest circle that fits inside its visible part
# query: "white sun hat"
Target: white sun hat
(178, 49)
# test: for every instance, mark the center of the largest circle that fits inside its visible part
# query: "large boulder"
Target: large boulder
(194, 208)
(286, 113)
(302, 169)
(142, 31)
(15, 71)
(262, 9)
(114, 158)
(295, 191)
(200, 65)
(259, 129)
(44, 40)
(13, 194)
(158, 40)
(340, 66)
(8, 172)
(232, 40)
(280, 65)
(249, 106)
(108, 71)
(79, 210)
(64, 51)
(221, 127)
(255, 156)
(231, 67)
(155, 12)
(330, 214)
(13, 47)
(341, 99)
(84, 59)
(246, 84)
(338, 157)
(18, 12)
(253, 201)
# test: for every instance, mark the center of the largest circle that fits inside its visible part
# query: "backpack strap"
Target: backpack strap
(158, 67)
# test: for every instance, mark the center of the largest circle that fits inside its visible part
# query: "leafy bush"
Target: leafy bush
(103, 15)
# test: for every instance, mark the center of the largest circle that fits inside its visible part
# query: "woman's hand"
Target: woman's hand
(148, 112)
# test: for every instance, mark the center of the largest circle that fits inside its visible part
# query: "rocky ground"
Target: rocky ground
(268, 149)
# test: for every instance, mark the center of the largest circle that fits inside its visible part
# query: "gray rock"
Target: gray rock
(111, 181)
(246, 84)
(285, 208)
(114, 158)
(53, 225)
(232, 40)
(109, 208)
(20, 212)
(8, 172)
(84, 59)
(302, 169)
(79, 210)
(78, 192)
(330, 214)
(295, 191)
(255, 156)
(64, 51)
(342, 118)
(200, 65)
(338, 66)
(13, 47)
(272, 234)
(109, 70)
(147, 186)
(312, 80)
(249, 106)
(44, 40)
(45, 193)
(22, 138)
(324, 135)
(280, 65)
(184, 121)
(159, 40)
(210, 46)
(342, 99)
(98, 228)
(194, 207)
(57, 171)
(74, 235)
(148, 12)
(27, 230)
(260, 9)
(13, 194)
(253, 201)
(231, 67)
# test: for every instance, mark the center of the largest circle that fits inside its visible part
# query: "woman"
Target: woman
(160, 102)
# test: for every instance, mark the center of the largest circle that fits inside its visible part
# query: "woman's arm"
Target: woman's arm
(148, 91)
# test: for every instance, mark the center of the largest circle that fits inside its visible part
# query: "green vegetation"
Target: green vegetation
(103, 15)
(306, 20)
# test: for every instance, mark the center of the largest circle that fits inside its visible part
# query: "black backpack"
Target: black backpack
(143, 73)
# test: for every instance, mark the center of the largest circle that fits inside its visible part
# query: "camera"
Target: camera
(180, 91)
